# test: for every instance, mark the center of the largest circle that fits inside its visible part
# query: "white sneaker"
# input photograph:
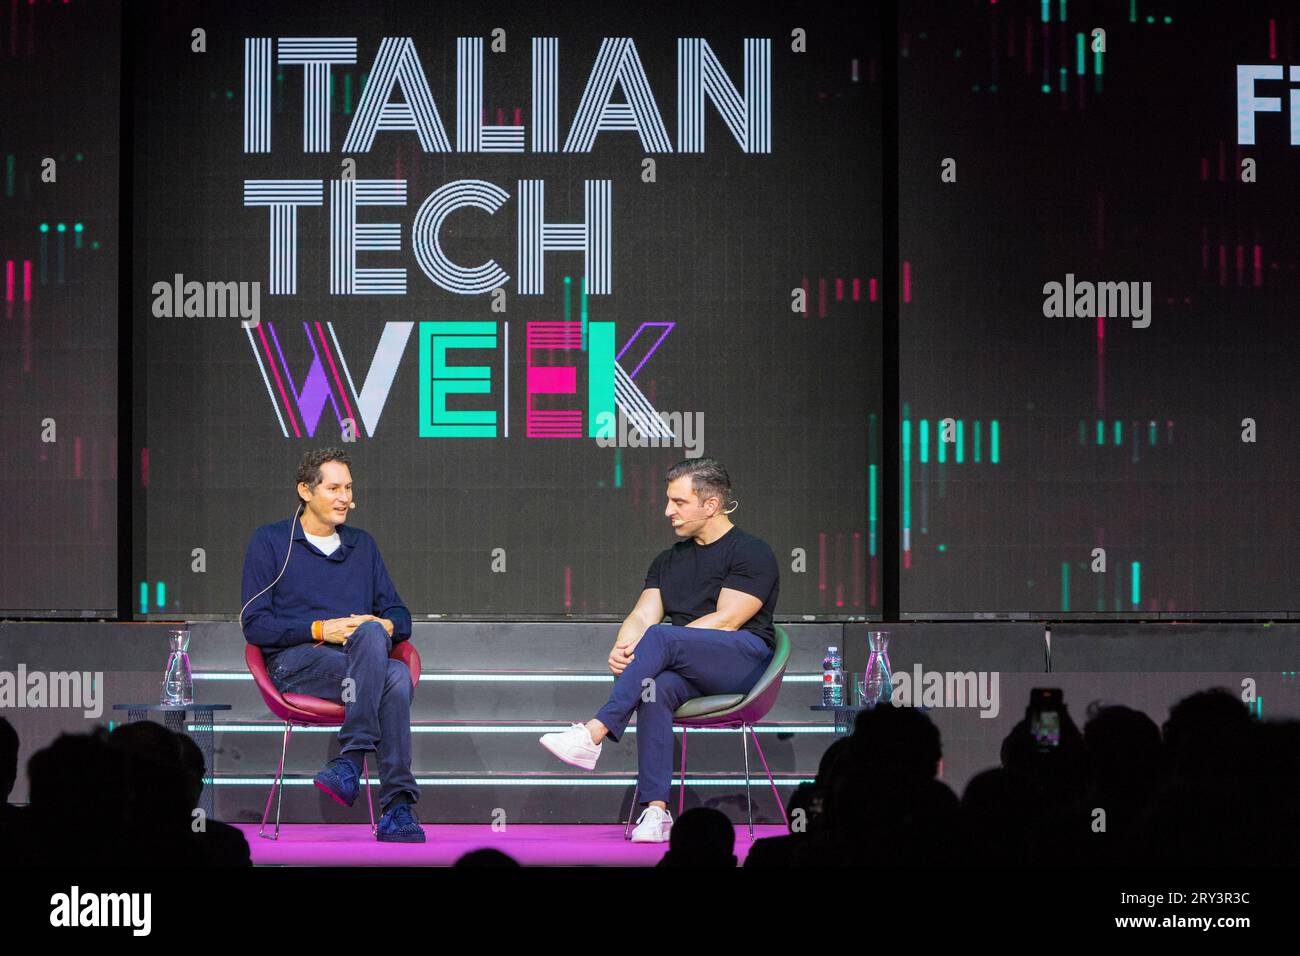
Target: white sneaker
(573, 746)
(653, 826)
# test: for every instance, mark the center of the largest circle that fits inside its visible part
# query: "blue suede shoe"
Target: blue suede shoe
(399, 825)
(339, 780)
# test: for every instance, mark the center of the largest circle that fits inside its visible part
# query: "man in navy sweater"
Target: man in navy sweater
(327, 626)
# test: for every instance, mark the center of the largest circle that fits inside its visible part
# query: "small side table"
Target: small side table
(845, 715)
(174, 718)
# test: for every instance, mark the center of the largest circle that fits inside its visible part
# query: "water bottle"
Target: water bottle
(832, 678)
(178, 682)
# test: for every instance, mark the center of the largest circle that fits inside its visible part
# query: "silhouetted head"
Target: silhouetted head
(898, 741)
(60, 774)
(1208, 734)
(486, 857)
(8, 759)
(1123, 747)
(702, 836)
(159, 780)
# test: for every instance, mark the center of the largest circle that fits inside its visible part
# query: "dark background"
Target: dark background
(1133, 178)
(715, 245)
(1106, 185)
(59, 70)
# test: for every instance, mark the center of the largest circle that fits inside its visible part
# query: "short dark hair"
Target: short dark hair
(708, 478)
(309, 472)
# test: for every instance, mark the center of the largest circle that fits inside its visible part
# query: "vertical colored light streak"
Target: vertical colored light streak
(977, 441)
(144, 467)
(162, 596)
(1080, 57)
(27, 280)
(618, 467)
(568, 587)
(1065, 585)
(144, 597)
(1118, 433)
(505, 379)
(907, 281)
(907, 490)
(9, 280)
(821, 568)
(568, 297)
(1136, 596)
(582, 309)
(1047, 56)
(1101, 432)
(871, 502)
(993, 441)
(600, 382)
(957, 456)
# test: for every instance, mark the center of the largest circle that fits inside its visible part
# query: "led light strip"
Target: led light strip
(507, 729)
(505, 678)
(523, 782)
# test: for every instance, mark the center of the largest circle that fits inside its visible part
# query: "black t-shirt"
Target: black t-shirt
(689, 577)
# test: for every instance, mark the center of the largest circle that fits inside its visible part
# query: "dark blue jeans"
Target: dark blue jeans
(378, 710)
(684, 662)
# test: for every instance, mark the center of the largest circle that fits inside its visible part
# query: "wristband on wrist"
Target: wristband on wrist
(318, 630)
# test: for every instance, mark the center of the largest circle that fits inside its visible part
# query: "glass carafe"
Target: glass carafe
(178, 682)
(878, 681)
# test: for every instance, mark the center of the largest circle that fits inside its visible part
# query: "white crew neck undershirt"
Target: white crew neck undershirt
(327, 544)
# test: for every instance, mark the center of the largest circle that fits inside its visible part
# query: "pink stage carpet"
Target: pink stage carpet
(315, 844)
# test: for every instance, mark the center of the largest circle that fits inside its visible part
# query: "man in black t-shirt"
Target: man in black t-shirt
(718, 585)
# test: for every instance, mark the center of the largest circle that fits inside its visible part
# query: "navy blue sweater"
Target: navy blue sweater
(351, 579)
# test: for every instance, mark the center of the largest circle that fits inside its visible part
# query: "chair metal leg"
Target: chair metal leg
(749, 803)
(775, 792)
(627, 828)
(681, 784)
(370, 803)
(276, 786)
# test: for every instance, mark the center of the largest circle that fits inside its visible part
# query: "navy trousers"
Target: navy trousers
(670, 666)
(378, 711)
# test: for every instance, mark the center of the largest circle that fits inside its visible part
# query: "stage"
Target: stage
(344, 844)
